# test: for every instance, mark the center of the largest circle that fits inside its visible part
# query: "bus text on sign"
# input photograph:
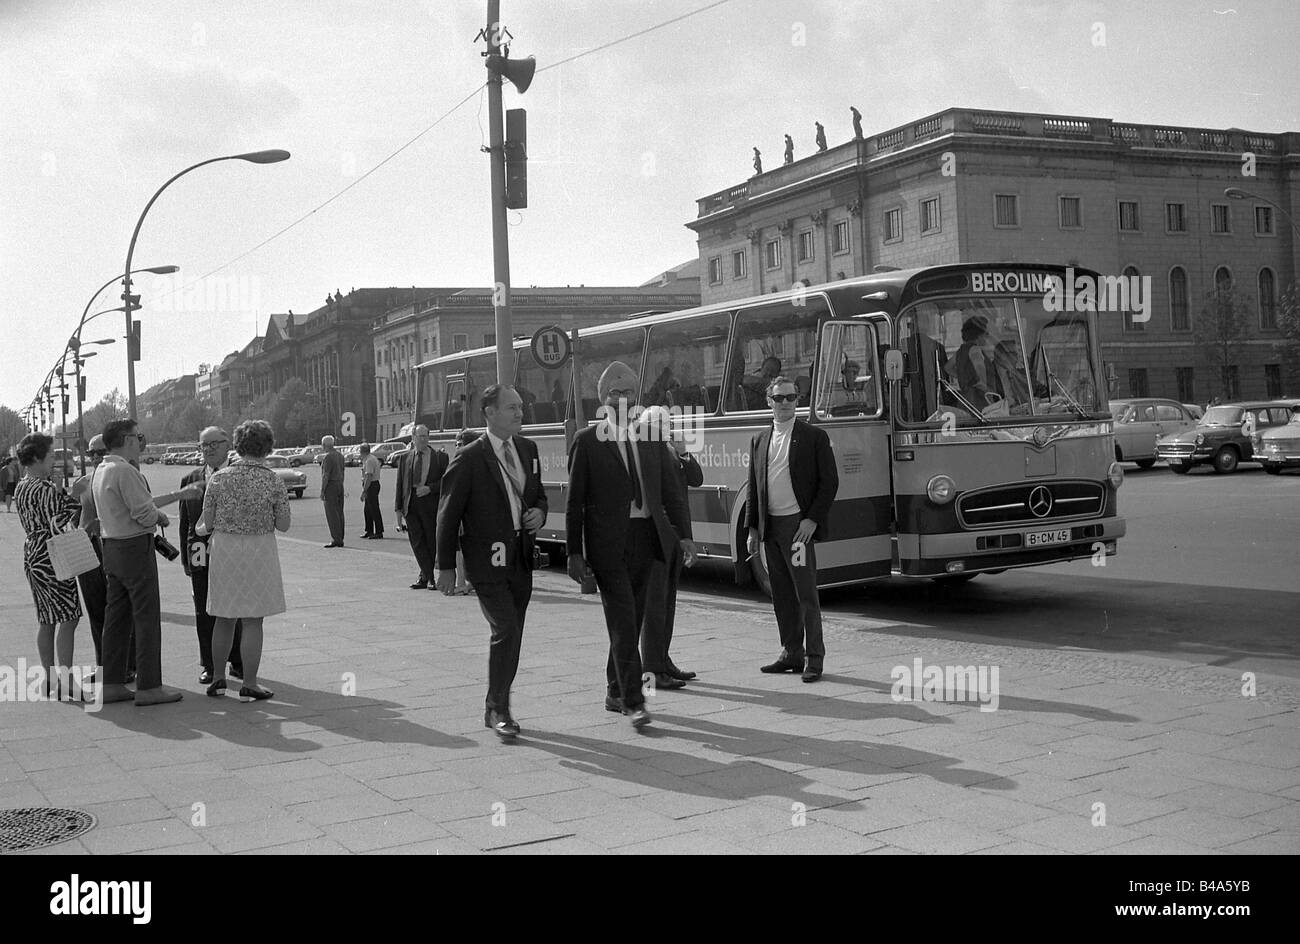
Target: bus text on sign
(551, 347)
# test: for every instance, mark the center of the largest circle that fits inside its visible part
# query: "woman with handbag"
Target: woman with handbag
(45, 510)
(244, 504)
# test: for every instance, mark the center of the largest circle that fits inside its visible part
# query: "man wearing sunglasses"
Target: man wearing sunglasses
(792, 483)
(214, 447)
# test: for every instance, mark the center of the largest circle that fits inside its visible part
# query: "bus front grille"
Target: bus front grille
(1030, 504)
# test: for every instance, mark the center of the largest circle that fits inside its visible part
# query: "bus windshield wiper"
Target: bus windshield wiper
(970, 407)
(1074, 404)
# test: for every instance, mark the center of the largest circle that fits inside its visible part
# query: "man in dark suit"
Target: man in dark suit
(494, 502)
(792, 483)
(419, 482)
(624, 511)
(214, 447)
(332, 471)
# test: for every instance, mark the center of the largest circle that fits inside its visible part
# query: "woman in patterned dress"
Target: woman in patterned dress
(244, 505)
(43, 509)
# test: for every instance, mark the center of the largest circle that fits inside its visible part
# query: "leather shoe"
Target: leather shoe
(780, 665)
(613, 704)
(365, 537)
(680, 673)
(501, 724)
(665, 681)
(331, 544)
(420, 585)
(236, 672)
(812, 673)
(205, 677)
(639, 716)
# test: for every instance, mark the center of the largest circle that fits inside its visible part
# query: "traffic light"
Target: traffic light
(516, 146)
(132, 302)
(134, 341)
(81, 389)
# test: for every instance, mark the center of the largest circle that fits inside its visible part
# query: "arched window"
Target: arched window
(1132, 280)
(1267, 300)
(1179, 318)
(1222, 279)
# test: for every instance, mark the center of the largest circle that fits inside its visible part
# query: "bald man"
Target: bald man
(624, 512)
(331, 490)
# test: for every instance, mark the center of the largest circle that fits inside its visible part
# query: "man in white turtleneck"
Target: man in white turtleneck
(792, 483)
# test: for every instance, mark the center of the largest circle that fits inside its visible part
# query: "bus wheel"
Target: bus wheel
(952, 580)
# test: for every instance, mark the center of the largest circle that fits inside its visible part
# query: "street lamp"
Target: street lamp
(79, 358)
(253, 157)
(1236, 193)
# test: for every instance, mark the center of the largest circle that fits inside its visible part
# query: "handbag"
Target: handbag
(71, 553)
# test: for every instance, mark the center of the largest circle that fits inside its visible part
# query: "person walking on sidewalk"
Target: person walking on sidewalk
(10, 472)
(661, 594)
(243, 506)
(624, 512)
(370, 495)
(792, 483)
(214, 447)
(492, 505)
(128, 515)
(419, 486)
(44, 510)
(331, 490)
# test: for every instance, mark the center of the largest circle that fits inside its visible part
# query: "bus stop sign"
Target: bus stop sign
(551, 347)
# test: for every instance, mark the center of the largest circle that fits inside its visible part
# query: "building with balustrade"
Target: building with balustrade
(973, 185)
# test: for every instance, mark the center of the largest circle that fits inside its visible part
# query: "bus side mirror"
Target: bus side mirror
(893, 364)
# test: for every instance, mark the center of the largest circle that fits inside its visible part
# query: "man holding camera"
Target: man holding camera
(128, 515)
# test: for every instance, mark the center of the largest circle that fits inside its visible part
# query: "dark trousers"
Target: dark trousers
(421, 530)
(374, 517)
(657, 625)
(794, 593)
(504, 602)
(623, 585)
(131, 572)
(333, 499)
(94, 591)
(204, 624)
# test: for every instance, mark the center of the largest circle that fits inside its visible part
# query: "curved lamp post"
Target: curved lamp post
(78, 359)
(253, 157)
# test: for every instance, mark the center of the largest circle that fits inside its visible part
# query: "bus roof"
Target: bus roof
(898, 283)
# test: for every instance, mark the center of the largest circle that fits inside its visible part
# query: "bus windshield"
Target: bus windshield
(980, 359)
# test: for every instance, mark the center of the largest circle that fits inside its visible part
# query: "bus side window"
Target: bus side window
(848, 383)
(597, 352)
(544, 392)
(685, 361)
(771, 340)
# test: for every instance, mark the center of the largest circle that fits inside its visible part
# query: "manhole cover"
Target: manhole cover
(36, 827)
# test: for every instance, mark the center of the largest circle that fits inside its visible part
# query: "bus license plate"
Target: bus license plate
(1039, 538)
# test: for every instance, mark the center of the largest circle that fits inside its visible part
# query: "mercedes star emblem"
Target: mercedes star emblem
(1040, 502)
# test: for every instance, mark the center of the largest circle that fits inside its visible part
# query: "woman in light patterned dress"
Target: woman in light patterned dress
(44, 509)
(244, 505)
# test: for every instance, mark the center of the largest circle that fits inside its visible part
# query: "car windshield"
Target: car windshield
(1221, 416)
(981, 359)
(276, 462)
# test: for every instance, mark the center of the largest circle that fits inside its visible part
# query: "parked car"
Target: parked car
(302, 455)
(1139, 422)
(293, 480)
(1278, 448)
(1196, 411)
(395, 457)
(382, 451)
(351, 455)
(1223, 436)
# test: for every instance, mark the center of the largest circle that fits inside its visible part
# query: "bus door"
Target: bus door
(849, 404)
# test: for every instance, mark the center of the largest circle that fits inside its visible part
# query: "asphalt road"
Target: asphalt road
(1208, 574)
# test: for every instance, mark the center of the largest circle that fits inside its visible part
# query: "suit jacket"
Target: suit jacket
(475, 508)
(813, 476)
(191, 513)
(433, 473)
(600, 497)
(331, 474)
(685, 470)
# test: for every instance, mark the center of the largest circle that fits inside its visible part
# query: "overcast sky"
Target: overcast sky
(103, 101)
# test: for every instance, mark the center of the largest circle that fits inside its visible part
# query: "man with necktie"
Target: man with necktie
(331, 489)
(624, 512)
(419, 483)
(492, 505)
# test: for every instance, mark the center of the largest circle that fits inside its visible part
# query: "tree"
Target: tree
(1220, 334)
(12, 430)
(112, 406)
(1288, 349)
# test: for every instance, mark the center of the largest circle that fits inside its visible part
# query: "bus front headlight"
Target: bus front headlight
(1115, 474)
(941, 489)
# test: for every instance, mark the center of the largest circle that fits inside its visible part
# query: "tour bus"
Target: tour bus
(966, 405)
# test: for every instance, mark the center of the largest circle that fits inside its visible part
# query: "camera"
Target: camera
(165, 547)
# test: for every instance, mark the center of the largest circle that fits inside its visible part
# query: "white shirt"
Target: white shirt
(499, 446)
(780, 491)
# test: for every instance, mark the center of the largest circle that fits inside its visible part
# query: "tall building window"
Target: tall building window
(1137, 382)
(1185, 377)
(1130, 277)
(1128, 216)
(1175, 217)
(459, 342)
(1231, 382)
(806, 246)
(1263, 221)
(1222, 279)
(1220, 219)
(1267, 300)
(840, 237)
(772, 253)
(1179, 316)
(489, 339)
(1071, 212)
(930, 219)
(1006, 209)
(1272, 380)
(739, 264)
(715, 270)
(893, 225)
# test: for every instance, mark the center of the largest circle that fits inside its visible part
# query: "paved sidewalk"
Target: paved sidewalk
(737, 762)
